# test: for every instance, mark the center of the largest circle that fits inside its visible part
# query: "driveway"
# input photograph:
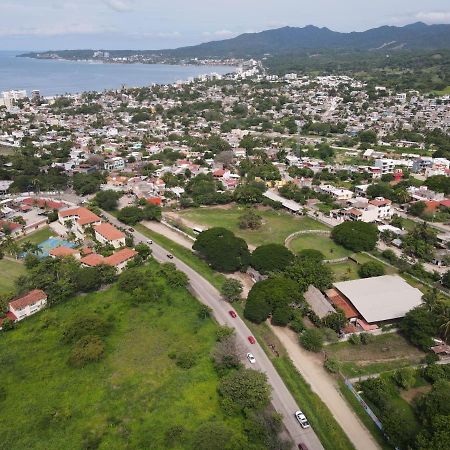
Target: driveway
(282, 399)
(310, 366)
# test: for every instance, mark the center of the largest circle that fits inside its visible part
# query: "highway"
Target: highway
(282, 400)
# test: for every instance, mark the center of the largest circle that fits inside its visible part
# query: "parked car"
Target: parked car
(232, 314)
(303, 421)
(149, 241)
(131, 230)
(302, 446)
(251, 339)
(169, 255)
(251, 358)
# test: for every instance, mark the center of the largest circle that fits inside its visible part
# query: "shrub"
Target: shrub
(330, 335)
(89, 348)
(84, 325)
(281, 316)
(435, 372)
(354, 339)
(332, 365)
(404, 378)
(271, 257)
(366, 338)
(371, 269)
(312, 340)
(231, 289)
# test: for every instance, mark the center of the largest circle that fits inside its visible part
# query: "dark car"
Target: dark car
(232, 314)
(131, 230)
(251, 339)
(302, 446)
(170, 256)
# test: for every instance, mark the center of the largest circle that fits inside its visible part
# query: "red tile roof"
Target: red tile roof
(92, 260)
(108, 231)
(154, 201)
(62, 251)
(84, 216)
(383, 202)
(28, 299)
(43, 203)
(121, 256)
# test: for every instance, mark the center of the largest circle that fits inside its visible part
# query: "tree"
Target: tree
(436, 437)
(231, 289)
(226, 354)
(175, 278)
(371, 269)
(268, 295)
(405, 378)
(151, 212)
(130, 215)
(281, 315)
(250, 219)
(336, 321)
(87, 279)
(143, 250)
(271, 257)
(312, 340)
(420, 242)
(131, 279)
(223, 250)
(311, 254)
(84, 325)
(107, 200)
(434, 403)
(245, 389)
(439, 183)
(419, 327)
(355, 236)
(399, 426)
(417, 208)
(308, 271)
(368, 137)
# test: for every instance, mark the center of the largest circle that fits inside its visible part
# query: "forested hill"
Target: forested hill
(287, 39)
(417, 36)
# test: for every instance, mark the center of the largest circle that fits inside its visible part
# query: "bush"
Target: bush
(312, 340)
(89, 348)
(184, 359)
(330, 335)
(85, 325)
(404, 378)
(231, 290)
(354, 339)
(355, 236)
(130, 280)
(332, 365)
(311, 254)
(371, 269)
(366, 338)
(435, 372)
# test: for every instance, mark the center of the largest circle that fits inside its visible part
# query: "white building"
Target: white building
(386, 165)
(29, 304)
(116, 163)
(336, 193)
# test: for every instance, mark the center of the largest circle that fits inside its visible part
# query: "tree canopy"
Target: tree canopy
(355, 236)
(271, 257)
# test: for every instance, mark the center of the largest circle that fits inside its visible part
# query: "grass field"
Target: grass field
(130, 399)
(386, 352)
(277, 225)
(319, 242)
(9, 272)
(344, 271)
(38, 236)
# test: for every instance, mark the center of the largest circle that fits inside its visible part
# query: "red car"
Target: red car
(252, 340)
(232, 314)
(302, 446)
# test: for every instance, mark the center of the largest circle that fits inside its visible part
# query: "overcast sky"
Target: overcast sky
(153, 24)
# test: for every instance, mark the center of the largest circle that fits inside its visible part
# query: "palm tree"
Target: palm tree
(445, 326)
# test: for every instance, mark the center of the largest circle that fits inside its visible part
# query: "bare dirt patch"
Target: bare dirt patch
(413, 393)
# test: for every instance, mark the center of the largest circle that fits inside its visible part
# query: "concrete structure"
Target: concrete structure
(108, 234)
(288, 204)
(336, 193)
(116, 163)
(318, 303)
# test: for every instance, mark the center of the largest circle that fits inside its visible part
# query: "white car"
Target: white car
(251, 358)
(149, 241)
(303, 421)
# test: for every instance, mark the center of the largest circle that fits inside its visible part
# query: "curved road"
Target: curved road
(282, 399)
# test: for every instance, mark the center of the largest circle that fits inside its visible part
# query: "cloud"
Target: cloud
(434, 17)
(56, 30)
(118, 5)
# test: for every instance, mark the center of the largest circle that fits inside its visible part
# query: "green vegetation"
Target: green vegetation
(385, 352)
(270, 258)
(319, 242)
(344, 271)
(38, 236)
(355, 236)
(133, 397)
(9, 272)
(276, 226)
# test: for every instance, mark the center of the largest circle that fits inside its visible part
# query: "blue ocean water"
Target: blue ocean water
(61, 77)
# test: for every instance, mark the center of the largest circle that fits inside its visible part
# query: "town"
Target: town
(310, 214)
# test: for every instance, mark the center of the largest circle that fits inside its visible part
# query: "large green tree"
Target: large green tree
(271, 257)
(223, 250)
(355, 236)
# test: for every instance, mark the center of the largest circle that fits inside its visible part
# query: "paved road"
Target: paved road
(282, 399)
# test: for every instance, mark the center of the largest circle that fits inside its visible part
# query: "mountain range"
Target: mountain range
(416, 36)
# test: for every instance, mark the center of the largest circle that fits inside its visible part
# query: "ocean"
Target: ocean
(52, 77)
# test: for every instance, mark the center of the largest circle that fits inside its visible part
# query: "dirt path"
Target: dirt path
(171, 234)
(310, 366)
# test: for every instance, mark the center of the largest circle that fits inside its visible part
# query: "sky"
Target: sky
(155, 24)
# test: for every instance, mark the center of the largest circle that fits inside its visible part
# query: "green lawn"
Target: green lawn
(277, 225)
(9, 272)
(344, 271)
(130, 398)
(38, 236)
(319, 242)
(445, 91)
(386, 352)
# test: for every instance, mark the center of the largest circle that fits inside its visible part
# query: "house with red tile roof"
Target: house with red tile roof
(119, 259)
(80, 218)
(62, 251)
(109, 235)
(28, 304)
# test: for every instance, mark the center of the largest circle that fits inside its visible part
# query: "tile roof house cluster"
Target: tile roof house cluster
(109, 234)
(27, 305)
(118, 259)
